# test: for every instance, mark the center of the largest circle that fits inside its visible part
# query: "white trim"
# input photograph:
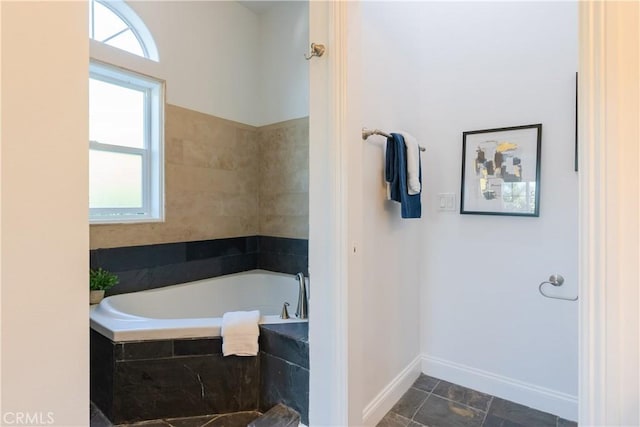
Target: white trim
(609, 213)
(137, 26)
(152, 153)
(329, 352)
(534, 396)
(391, 393)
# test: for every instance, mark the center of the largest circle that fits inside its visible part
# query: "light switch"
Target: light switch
(446, 202)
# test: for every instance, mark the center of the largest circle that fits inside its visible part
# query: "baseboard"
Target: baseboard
(391, 393)
(543, 399)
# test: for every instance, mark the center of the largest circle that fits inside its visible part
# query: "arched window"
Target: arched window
(114, 23)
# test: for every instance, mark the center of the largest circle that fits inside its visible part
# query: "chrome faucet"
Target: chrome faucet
(303, 302)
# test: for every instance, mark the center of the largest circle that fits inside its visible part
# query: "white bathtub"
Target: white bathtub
(195, 309)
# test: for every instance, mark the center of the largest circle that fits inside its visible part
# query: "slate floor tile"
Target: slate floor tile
(238, 419)
(425, 383)
(153, 423)
(439, 412)
(520, 414)
(566, 423)
(393, 420)
(190, 422)
(493, 421)
(463, 395)
(410, 402)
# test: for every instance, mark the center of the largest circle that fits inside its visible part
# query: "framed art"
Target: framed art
(501, 171)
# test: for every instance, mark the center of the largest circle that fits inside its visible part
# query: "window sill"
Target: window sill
(124, 221)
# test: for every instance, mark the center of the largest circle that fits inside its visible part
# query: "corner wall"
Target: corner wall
(390, 245)
(444, 68)
(483, 322)
(225, 177)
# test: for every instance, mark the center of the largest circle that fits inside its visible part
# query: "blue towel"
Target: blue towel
(396, 175)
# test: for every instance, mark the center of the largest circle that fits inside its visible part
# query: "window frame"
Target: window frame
(134, 24)
(152, 153)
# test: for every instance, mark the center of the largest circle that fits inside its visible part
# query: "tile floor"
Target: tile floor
(429, 402)
(435, 403)
(238, 419)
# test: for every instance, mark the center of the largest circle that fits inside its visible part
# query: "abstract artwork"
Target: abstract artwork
(501, 171)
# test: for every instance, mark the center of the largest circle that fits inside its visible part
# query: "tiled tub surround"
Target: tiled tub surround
(150, 380)
(155, 266)
(224, 179)
(284, 367)
(283, 190)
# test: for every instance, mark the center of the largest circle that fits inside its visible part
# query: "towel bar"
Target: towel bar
(366, 133)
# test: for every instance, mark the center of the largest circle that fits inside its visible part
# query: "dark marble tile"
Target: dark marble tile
(215, 248)
(251, 244)
(283, 382)
(101, 371)
(283, 245)
(284, 347)
(566, 423)
(425, 383)
(191, 421)
(138, 257)
(520, 414)
(131, 281)
(240, 419)
(144, 350)
(185, 386)
(410, 402)
(438, 412)
(393, 420)
(202, 269)
(283, 263)
(415, 424)
(172, 274)
(463, 395)
(298, 330)
(493, 421)
(197, 346)
(97, 418)
(239, 263)
(278, 416)
(153, 423)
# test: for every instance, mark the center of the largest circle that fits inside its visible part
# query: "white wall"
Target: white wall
(45, 233)
(220, 58)
(486, 65)
(391, 245)
(445, 68)
(208, 55)
(283, 73)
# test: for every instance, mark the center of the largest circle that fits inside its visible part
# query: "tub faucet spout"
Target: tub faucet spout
(303, 301)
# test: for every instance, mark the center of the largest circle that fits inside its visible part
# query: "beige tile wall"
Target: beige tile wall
(283, 192)
(225, 179)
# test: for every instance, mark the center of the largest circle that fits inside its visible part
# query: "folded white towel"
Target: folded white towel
(413, 163)
(240, 333)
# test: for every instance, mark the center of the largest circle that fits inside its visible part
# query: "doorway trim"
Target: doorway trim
(328, 215)
(609, 132)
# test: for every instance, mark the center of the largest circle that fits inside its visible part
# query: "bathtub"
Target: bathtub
(194, 309)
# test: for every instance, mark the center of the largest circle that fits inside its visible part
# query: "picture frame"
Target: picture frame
(501, 171)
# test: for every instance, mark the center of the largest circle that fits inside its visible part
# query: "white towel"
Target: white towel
(413, 163)
(240, 333)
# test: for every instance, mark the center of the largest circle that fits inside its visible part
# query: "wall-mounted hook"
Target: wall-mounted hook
(316, 50)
